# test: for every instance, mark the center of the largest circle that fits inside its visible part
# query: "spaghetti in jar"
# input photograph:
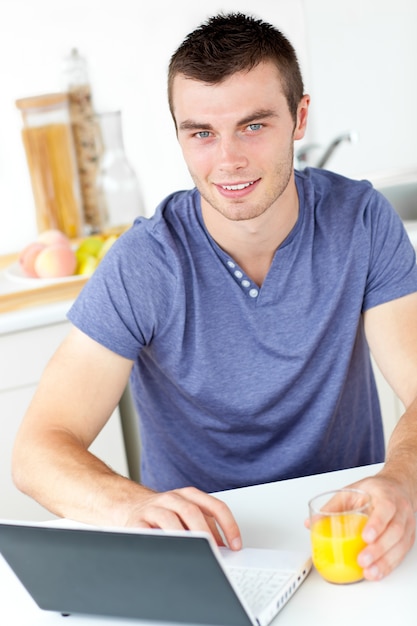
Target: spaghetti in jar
(50, 154)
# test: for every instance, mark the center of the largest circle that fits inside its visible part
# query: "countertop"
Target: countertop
(33, 317)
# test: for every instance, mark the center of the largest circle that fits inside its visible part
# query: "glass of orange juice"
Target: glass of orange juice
(337, 519)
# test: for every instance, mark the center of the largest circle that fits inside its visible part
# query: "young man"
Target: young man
(245, 307)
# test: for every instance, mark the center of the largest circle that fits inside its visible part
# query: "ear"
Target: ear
(302, 114)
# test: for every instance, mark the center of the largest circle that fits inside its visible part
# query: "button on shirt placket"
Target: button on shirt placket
(242, 280)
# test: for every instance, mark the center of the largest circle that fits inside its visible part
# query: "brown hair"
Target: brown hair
(234, 42)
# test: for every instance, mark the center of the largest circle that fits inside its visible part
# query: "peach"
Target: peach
(52, 236)
(55, 261)
(28, 256)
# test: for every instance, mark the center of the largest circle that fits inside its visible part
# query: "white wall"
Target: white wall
(128, 44)
(363, 62)
(360, 69)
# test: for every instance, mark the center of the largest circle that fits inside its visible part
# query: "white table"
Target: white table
(272, 515)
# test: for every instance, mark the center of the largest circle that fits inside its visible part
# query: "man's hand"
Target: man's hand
(190, 509)
(390, 530)
(52, 462)
(391, 332)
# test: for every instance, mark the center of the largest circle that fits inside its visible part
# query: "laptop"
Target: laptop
(152, 575)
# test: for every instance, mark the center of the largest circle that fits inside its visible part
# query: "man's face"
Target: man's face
(237, 139)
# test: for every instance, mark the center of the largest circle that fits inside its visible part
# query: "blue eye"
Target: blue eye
(255, 126)
(203, 134)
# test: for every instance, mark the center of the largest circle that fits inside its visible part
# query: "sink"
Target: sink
(400, 188)
(402, 193)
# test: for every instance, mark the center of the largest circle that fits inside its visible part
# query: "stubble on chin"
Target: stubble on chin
(241, 209)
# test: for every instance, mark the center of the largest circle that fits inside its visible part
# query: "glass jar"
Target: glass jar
(50, 155)
(86, 134)
(118, 188)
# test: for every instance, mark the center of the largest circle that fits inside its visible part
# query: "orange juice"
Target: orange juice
(336, 541)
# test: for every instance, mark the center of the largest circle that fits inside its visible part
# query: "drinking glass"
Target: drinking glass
(49, 146)
(337, 519)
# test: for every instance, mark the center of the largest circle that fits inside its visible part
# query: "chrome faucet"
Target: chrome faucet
(302, 154)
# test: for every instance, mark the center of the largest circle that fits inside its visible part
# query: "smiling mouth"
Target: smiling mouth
(238, 187)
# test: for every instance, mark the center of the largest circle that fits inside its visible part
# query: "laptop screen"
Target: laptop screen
(143, 575)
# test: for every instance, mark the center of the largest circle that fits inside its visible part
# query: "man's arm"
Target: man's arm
(391, 331)
(79, 390)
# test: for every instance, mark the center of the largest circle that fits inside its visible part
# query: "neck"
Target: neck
(253, 243)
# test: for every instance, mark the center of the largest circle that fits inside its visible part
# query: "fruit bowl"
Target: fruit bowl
(15, 273)
(54, 258)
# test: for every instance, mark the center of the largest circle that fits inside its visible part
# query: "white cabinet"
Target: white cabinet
(23, 356)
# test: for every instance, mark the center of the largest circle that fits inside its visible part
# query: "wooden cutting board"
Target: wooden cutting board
(15, 296)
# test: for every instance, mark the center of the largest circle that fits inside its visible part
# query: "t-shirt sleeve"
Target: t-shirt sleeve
(122, 302)
(392, 269)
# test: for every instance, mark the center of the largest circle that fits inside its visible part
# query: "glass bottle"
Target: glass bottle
(50, 155)
(118, 190)
(86, 134)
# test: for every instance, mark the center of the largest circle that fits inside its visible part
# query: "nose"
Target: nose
(231, 155)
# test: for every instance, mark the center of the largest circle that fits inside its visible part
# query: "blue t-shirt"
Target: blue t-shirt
(235, 384)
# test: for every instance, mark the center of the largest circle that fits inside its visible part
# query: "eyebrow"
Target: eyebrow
(255, 115)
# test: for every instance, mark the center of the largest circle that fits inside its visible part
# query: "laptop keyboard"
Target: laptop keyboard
(258, 586)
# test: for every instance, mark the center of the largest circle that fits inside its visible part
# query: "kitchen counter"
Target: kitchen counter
(34, 317)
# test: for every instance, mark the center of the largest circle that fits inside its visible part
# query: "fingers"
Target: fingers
(390, 533)
(218, 513)
(390, 530)
(188, 509)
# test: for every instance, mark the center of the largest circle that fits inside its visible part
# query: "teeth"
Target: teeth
(237, 187)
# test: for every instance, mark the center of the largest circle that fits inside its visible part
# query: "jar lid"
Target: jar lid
(45, 101)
